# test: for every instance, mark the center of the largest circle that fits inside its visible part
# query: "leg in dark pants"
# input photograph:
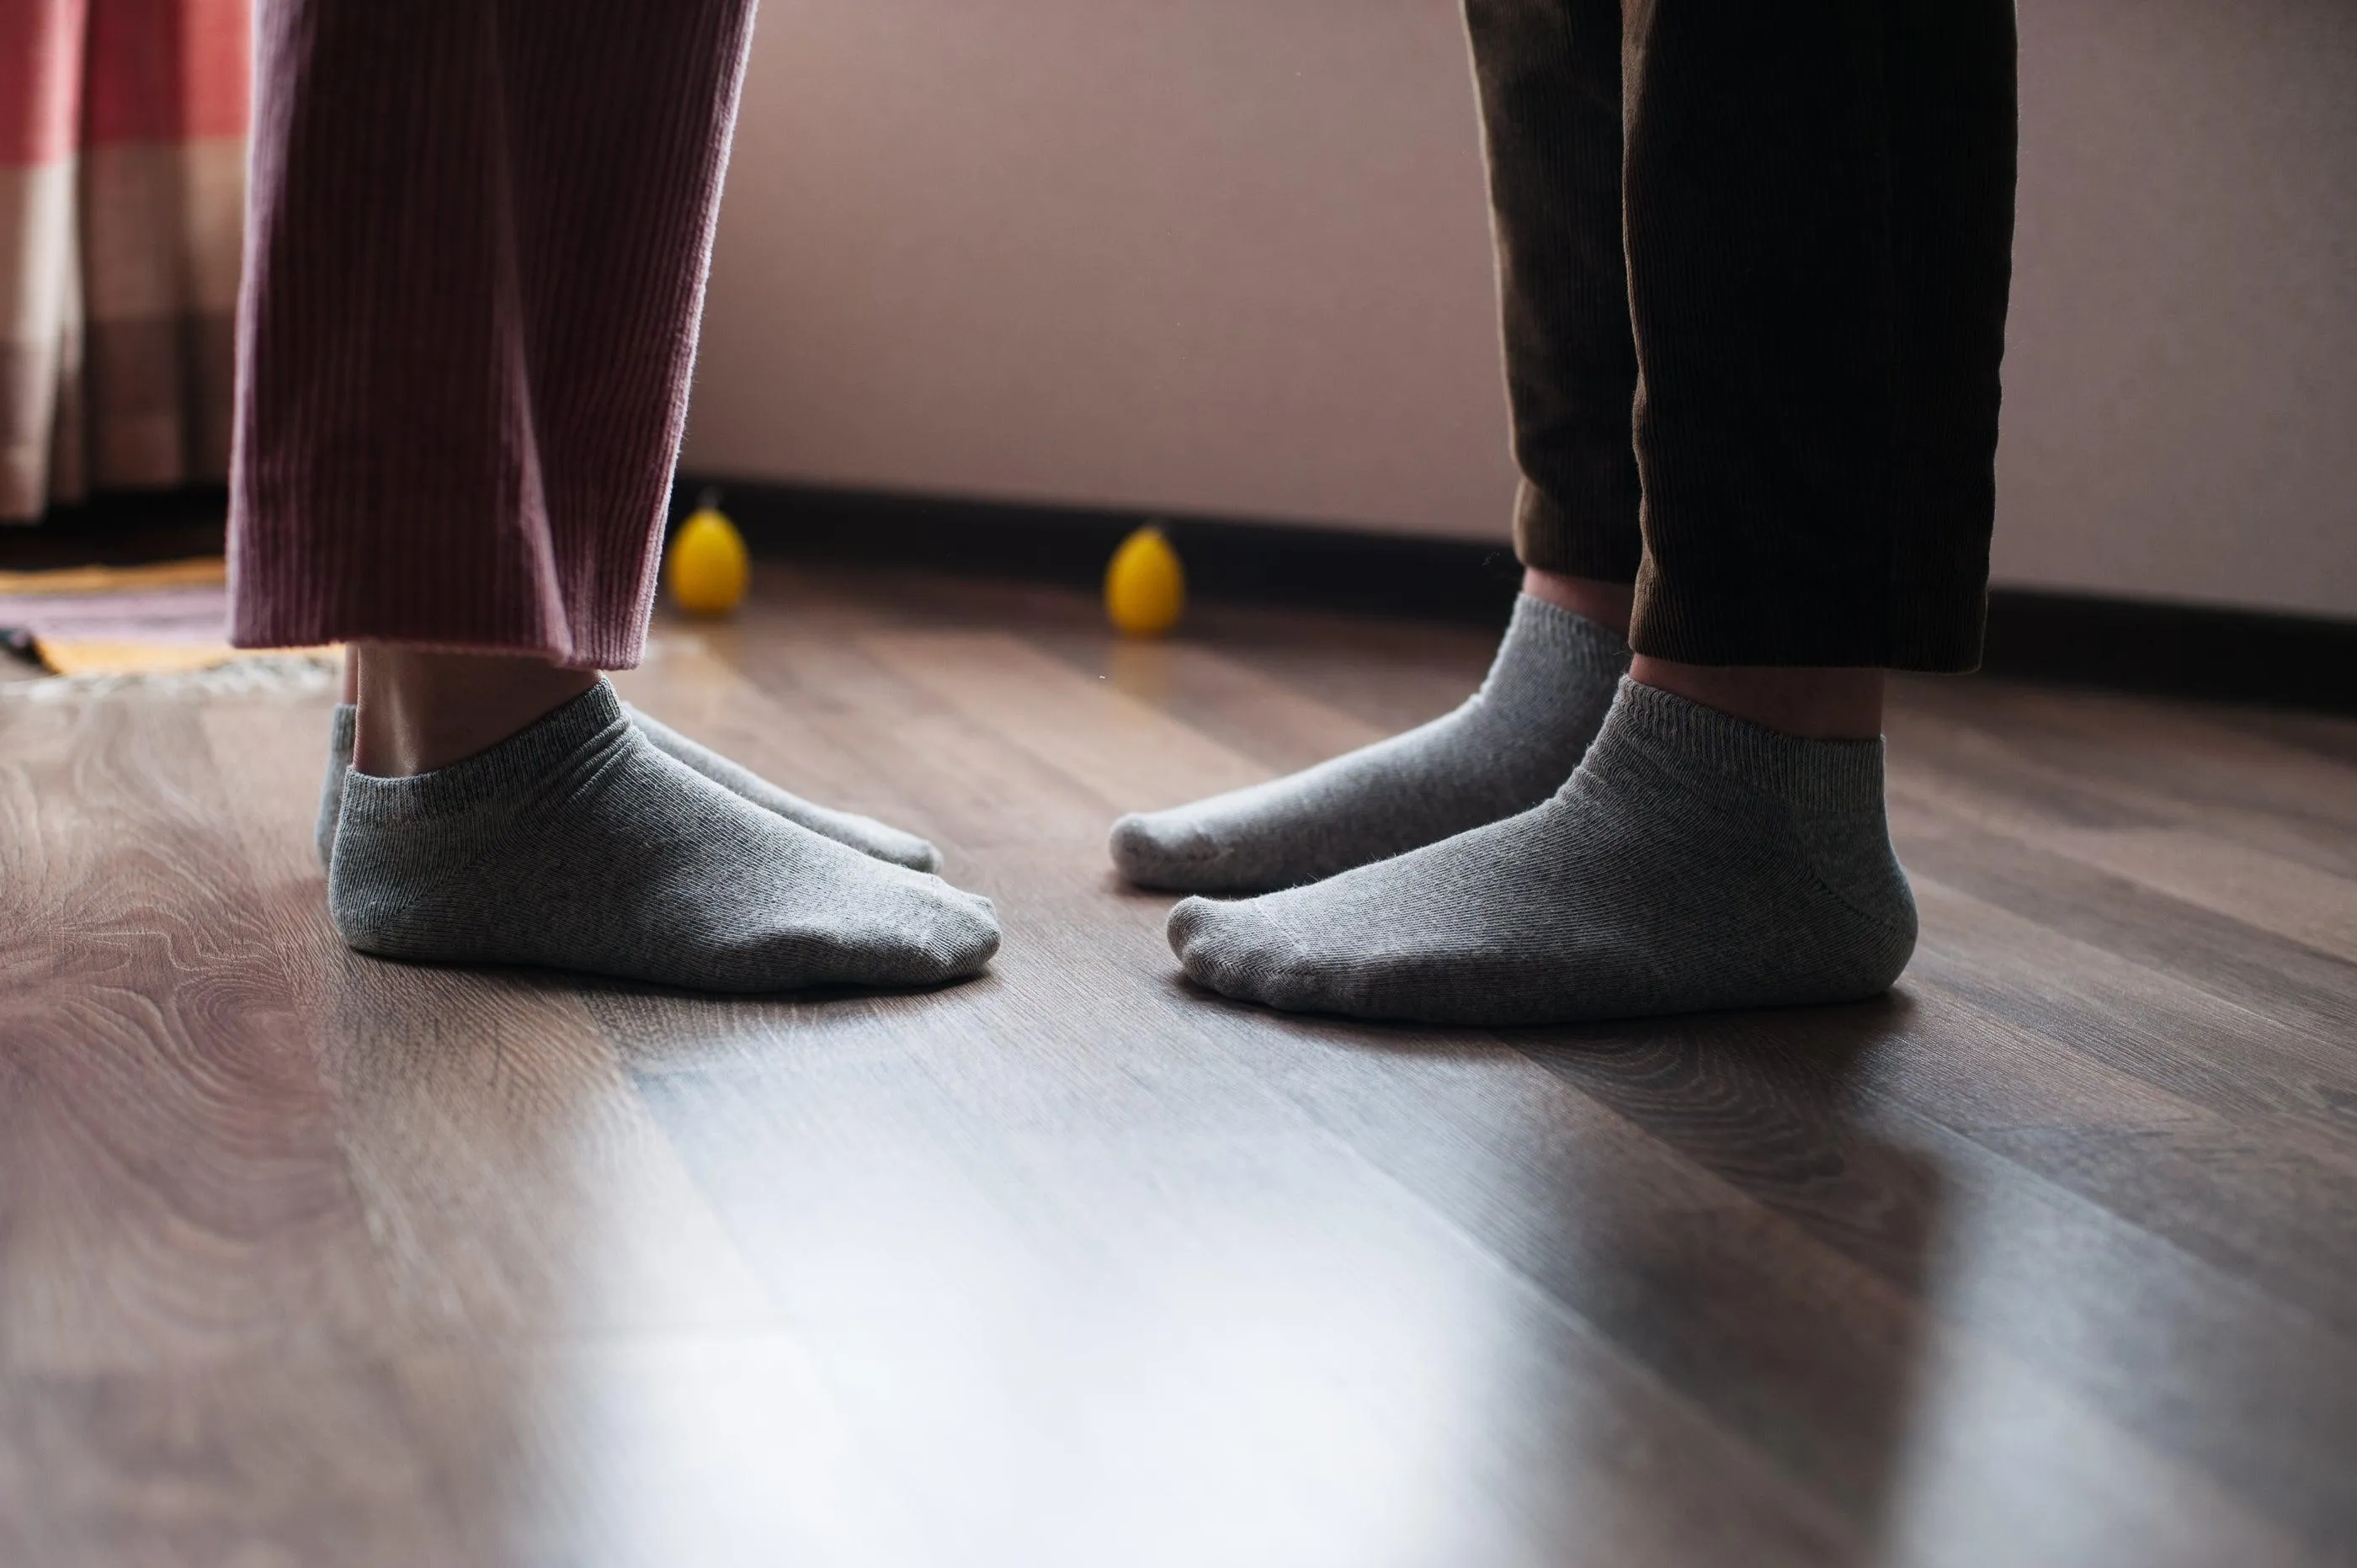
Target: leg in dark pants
(1753, 264)
(1549, 77)
(1815, 209)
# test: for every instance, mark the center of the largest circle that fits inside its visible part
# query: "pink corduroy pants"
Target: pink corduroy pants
(478, 232)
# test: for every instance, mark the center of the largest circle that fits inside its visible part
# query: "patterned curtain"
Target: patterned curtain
(122, 196)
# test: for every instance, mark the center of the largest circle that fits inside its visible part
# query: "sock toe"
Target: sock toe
(945, 953)
(918, 856)
(1161, 849)
(965, 937)
(1229, 946)
(1189, 926)
(886, 843)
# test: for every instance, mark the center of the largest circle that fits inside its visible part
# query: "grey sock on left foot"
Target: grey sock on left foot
(575, 844)
(865, 834)
(1694, 862)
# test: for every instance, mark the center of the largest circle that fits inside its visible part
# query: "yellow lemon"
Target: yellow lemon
(707, 567)
(1145, 588)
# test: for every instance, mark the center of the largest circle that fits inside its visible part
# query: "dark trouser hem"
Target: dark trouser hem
(1606, 546)
(1934, 629)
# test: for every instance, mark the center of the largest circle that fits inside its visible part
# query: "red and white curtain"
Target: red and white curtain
(121, 198)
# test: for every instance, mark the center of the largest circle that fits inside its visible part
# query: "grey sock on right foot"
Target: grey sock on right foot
(576, 843)
(1508, 747)
(1694, 862)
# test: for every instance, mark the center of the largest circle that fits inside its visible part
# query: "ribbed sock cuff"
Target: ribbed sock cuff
(1815, 778)
(1564, 638)
(505, 771)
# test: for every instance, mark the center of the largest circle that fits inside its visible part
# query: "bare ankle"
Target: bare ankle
(421, 710)
(1813, 702)
(1608, 604)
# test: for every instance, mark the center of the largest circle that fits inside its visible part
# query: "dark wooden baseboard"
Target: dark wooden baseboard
(119, 529)
(1327, 568)
(2173, 649)
(2123, 644)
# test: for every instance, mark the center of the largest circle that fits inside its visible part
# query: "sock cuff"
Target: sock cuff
(525, 758)
(1544, 632)
(1816, 778)
(343, 728)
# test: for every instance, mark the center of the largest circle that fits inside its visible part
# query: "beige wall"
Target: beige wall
(2181, 374)
(1232, 257)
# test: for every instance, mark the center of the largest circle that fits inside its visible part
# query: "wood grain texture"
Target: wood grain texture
(2049, 1258)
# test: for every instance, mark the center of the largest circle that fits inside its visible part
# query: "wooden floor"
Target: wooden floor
(309, 1259)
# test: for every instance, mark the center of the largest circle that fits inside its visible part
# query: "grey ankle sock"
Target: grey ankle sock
(865, 834)
(1509, 747)
(577, 845)
(1694, 860)
(342, 725)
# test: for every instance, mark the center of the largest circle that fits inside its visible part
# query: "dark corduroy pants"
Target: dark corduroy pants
(1754, 262)
(477, 237)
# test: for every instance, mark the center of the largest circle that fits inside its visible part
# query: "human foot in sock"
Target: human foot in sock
(1505, 749)
(865, 834)
(1694, 861)
(576, 843)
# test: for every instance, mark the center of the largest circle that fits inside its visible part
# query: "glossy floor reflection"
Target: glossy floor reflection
(307, 1258)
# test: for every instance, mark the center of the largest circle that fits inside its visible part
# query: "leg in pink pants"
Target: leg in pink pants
(478, 237)
(478, 242)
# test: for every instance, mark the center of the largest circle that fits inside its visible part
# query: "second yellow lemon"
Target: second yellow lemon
(1144, 588)
(707, 567)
